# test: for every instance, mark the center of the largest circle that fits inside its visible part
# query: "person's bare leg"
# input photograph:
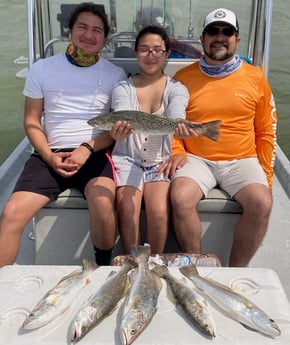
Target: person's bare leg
(156, 197)
(16, 214)
(128, 206)
(100, 195)
(185, 195)
(256, 200)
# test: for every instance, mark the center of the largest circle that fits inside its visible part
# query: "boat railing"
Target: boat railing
(12, 166)
(282, 170)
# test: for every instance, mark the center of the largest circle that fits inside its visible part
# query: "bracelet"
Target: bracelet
(88, 146)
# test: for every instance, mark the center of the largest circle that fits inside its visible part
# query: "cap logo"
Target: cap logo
(220, 14)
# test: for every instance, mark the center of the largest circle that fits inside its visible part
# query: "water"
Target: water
(279, 70)
(13, 44)
(13, 38)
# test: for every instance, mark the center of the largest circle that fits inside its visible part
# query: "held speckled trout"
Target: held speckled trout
(101, 303)
(59, 299)
(141, 301)
(233, 304)
(153, 124)
(193, 303)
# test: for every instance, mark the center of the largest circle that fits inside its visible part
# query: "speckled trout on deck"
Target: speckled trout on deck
(153, 124)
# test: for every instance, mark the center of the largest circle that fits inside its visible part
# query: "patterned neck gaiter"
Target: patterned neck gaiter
(221, 70)
(79, 57)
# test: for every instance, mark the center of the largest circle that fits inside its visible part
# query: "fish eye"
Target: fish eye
(133, 331)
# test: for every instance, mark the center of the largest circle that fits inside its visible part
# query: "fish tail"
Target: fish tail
(189, 270)
(130, 261)
(141, 251)
(89, 265)
(161, 270)
(211, 129)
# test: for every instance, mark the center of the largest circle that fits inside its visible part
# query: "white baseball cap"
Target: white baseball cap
(221, 15)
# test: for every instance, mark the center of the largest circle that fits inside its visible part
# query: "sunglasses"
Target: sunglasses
(214, 31)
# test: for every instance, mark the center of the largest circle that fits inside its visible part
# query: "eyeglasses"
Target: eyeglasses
(214, 31)
(156, 52)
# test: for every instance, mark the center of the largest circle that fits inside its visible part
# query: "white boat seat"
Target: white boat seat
(62, 236)
(217, 201)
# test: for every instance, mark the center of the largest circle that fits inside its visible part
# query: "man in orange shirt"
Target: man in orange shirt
(224, 87)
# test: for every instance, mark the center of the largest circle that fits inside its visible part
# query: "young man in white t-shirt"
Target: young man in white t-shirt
(67, 90)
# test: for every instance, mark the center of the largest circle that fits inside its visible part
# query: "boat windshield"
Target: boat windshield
(183, 20)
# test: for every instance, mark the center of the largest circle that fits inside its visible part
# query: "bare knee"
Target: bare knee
(185, 194)
(8, 210)
(258, 210)
(102, 208)
(12, 220)
(257, 204)
(128, 214)
(158, 218)
(100, 195)
(11, 213)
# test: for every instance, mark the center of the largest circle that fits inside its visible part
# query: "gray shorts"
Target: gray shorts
(231, 176)
(131, 174)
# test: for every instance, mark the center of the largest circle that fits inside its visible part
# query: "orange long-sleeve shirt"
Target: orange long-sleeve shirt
(243, 101)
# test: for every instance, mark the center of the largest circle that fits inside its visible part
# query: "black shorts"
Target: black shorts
(40, 178)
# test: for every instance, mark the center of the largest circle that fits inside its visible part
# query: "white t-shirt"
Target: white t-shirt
(72, 95)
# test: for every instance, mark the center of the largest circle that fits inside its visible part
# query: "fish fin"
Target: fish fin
(211, 129)
(87, 266)
(126, 287)
(157, 281)
(135, 302)
(71, 274)
(248, 327)
(183, 280)
(227, 288)
(170, 295)
(111, 274)
(132, 275)
(134, 252)
(188, 270)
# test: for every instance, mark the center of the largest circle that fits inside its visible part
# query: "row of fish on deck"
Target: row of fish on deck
(141, 286)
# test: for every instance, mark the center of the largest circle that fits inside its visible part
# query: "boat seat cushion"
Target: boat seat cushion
(217, 201)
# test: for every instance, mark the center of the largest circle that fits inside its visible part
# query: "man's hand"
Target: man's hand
(183, 132)
(77, 158)
(169, 167)
(62, 164)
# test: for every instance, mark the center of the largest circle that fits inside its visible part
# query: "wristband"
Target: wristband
(88, 146)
